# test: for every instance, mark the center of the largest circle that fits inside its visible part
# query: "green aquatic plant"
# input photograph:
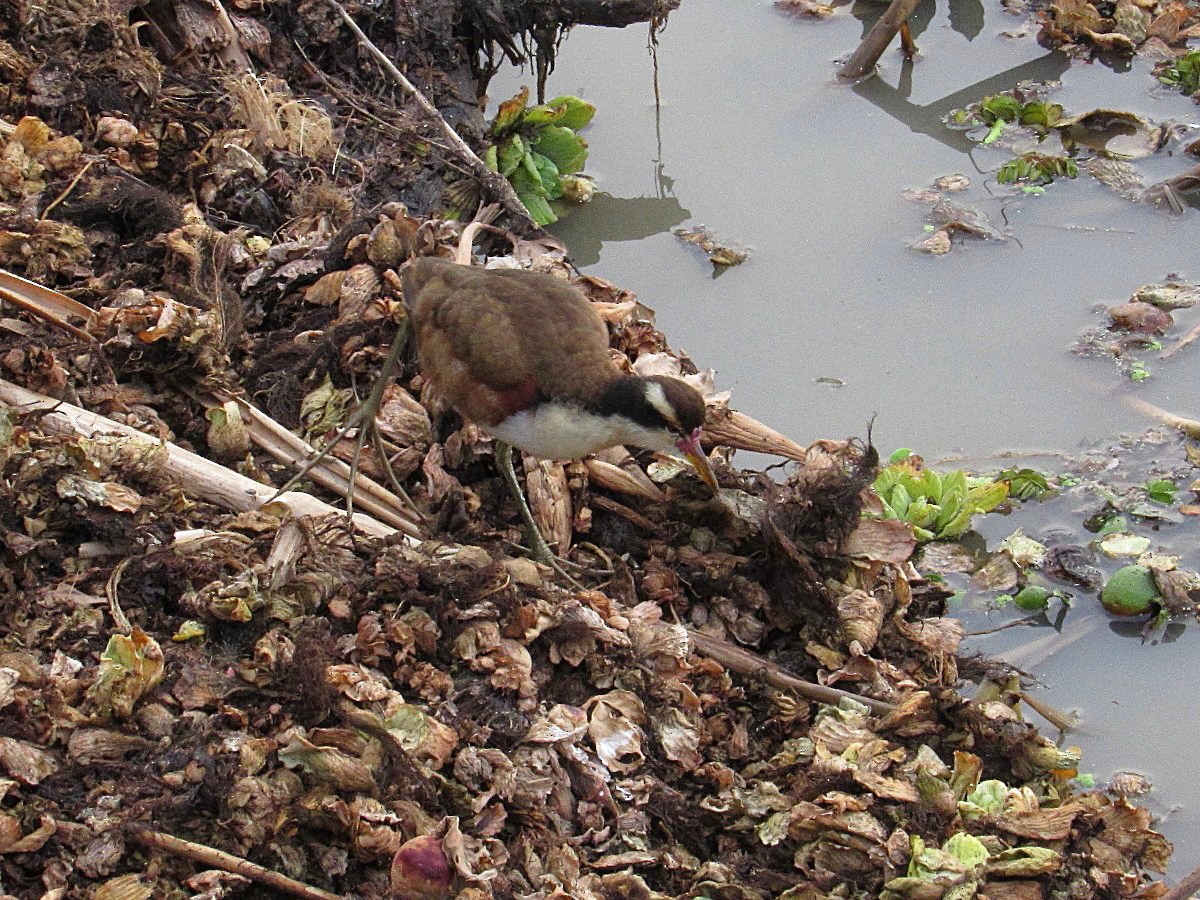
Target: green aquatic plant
(1183, 73)
(1161, 490)
(538, 150)
(1025, 483)
(1036, 169)
(936, 505)
(1001, 110)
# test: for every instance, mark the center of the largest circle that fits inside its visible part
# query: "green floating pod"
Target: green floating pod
(1130, 591)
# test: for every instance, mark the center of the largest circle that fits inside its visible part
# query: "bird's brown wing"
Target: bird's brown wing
(494, 341)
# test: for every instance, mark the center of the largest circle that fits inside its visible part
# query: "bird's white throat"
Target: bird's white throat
(559, 431)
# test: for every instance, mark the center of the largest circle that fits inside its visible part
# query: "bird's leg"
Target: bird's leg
(364, 417)
(537, 544)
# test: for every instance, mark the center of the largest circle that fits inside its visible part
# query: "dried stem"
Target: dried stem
(197, 475)
(227, 862)
(863, 59)
(747, 663)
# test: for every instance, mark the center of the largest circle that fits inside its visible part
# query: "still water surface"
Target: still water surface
(964, 354)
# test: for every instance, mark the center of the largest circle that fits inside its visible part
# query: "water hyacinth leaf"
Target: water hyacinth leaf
(1039, 114)
(130, 666)
(987, 495)
(987, 799)
(1124, 544)
(1024, 550)
(1000, 107)
(1130, 591)
(773, 829)
(966, 848)
(1183, 73)
(547, 174)
(510, 155)
(1024, 862)
(337, 769)
(578, 111)
(1025, 484)
(545, 114)
(509, 112)
(563, 147)
(1161, 491)
(534, 201)
(1033, 597)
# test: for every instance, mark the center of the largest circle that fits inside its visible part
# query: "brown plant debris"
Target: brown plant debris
(201, 689)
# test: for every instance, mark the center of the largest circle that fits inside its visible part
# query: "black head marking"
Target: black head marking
(684, 399)
(630, 396)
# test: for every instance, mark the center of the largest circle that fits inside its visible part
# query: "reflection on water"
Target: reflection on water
(607, 218)
(929, 119)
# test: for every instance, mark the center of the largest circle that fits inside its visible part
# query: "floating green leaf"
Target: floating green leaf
(1161, 491)
(566, 149)
(1033, 597)
(509, 112)
(1000, 107)
(1025, 484)
(1130, 591)
(1036, 168)
(1040, 115)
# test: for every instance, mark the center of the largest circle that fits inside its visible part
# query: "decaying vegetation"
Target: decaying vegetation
(203, 691)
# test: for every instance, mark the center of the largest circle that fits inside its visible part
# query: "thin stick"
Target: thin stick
(497, 183)
(1190, 427)
(227, 862)
(747, 663)
(326, 470)
(863, 59)
(1186, 888)
(66, 191)
(1056, 717)
(45, 303)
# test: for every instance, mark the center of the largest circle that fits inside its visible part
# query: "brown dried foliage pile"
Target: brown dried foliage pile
(383, 719)
(1151, 28)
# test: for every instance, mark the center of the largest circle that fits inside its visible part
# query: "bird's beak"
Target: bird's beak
(690, 447)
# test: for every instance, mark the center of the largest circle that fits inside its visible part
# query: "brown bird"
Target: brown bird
(525, 356)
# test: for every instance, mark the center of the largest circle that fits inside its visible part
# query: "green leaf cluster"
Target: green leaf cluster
(1183, 73)
(537, 149)
(1025, 484)
(1001, 110)
(1036, 168)
(936, 505)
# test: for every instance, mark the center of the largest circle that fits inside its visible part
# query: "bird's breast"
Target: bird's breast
(558, 431)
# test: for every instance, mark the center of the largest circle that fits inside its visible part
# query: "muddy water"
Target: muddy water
(966, 354)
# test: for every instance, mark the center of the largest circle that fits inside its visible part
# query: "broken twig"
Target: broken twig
(747, 663)
(227, 862)
(863, 59)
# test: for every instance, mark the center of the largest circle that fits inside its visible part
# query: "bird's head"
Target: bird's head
(663, 414)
